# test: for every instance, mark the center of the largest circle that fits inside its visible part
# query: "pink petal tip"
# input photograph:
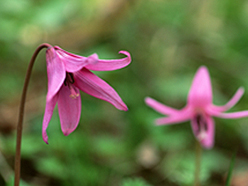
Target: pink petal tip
(45, 137)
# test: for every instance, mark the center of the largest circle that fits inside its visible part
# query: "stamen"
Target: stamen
(74, 94)
(69, 80)
(201, 125)
(201, 122)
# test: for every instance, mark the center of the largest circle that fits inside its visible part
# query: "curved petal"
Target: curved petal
(181, 116)
(200, 93)
(159, 107)
(203, 129)
(232, 102)
(71, 61)
(230, 115)
(94, 86)
(97, 64)
(69, 110)
(55, 73)
(48, 115)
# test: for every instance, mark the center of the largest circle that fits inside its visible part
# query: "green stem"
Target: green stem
(21, 114)
(198, 152)
(230, 171)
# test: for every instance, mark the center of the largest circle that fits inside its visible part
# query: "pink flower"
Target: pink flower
(67, 73)
(199, 109)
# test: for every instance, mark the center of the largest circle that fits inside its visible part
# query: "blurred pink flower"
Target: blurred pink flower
(199, 109)
(67, 73)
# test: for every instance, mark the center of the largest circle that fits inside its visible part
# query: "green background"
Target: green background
(168, 41)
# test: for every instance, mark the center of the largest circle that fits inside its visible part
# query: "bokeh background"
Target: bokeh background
(168, 40)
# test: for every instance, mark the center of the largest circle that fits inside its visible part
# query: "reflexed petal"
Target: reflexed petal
(55, 73)
(200, 93)
(232, 102)
(48, 115)
(94, 86)
(181, 116)
(204, 134)
(159, 107)
(69, 110)
(71, 61)
(230, 115)
(97, 64)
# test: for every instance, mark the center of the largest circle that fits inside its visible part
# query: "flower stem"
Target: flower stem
(198, 152)
(21, 114)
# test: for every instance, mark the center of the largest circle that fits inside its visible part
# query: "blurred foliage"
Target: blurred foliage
(134, 182)
(168, 41)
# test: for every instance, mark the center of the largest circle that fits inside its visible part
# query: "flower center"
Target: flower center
(201, 126)
(69, 80)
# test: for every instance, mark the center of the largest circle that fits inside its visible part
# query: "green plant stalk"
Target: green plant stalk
(21, 114)
(229, 175)
(198, 153)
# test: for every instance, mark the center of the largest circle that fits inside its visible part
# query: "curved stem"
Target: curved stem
(21, 114)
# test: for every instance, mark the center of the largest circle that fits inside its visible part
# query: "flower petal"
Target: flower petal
(69, 109)
(55, 73)
(94, 86)
(159, 107)
(97, 64)
(181, 116)
(50, 104)
(71, 61)
(232, 102)
(230, 115)
(204, 134)
(200, 93)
